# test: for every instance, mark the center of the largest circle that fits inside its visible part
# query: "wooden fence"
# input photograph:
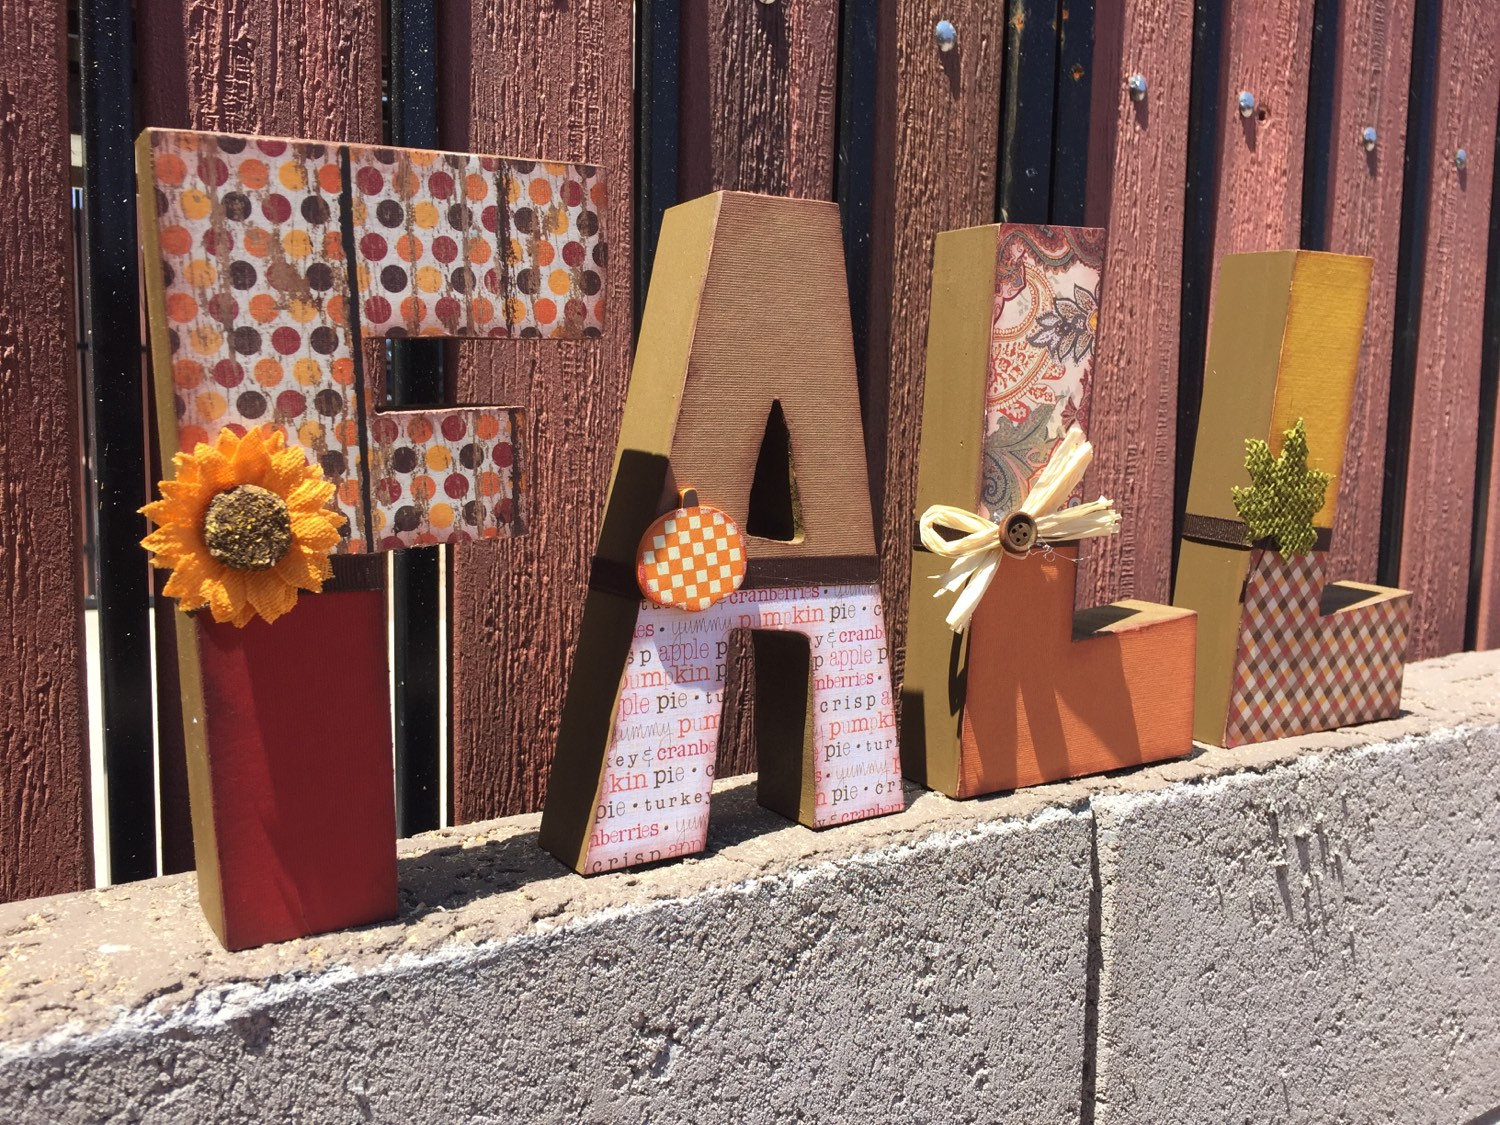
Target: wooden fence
(1362, 126)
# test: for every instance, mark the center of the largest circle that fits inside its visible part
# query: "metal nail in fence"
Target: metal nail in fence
(946, 35)
(1246, 102)
(1461, 159)
(1136, 84)
(1367, 138)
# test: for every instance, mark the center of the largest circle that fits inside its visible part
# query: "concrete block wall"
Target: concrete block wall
(1302, 931)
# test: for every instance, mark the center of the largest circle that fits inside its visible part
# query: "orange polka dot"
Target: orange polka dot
(292, 175)
(423, 487)
(211, 405)
(254, 174)
(440, 515)
(512, 189)
(489, 532)
(342, 370)
(346, 431)
(425, 215)
(419, 429)
(482, 309)
(307, 371)
(359, 212)
(479, 251)
(333, 246)
(560, 281)
(413, 308)
(336, 310)
(301, 310)
(257, 241)
(429, 279)
(310, 434)
(377, 517)
(195, 204)
(515, 310)
(438, 458)
(329, 179)
(489, 483)
(296, 243)
(199, 272)
(170, 168)
(555, 168)
(205, 339)
(181, 307)
(190, 437)
(187, 372)
(421, 157)
(544, 311)
(176, 240)
(268, 372)
(349, 493)
(263, 307)
(486, 426)
(545, 253)
(513, 251)
(539, 191)
(597, 194)
(405, 184)
(409, 247)
(362, 276)
(432, 330)
(557, 221)
(476, 187)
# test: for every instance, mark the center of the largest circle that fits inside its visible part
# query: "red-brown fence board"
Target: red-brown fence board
(549, 80)
(1435, 532)
(759, 97)
(938, 120)
(236, 66)
(1137, 163)
(1363, 216)
(44, 766)
(759, 107)
(1487, 632)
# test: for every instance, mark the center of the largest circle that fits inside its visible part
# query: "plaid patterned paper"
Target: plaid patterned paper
(1298, 670)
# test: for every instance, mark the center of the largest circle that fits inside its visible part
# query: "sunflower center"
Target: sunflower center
(247, 528)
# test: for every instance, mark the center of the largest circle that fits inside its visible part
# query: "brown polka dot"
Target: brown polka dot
(324, 340)
(246, 340)
(242, 275)
(315, 210)
(390, 213)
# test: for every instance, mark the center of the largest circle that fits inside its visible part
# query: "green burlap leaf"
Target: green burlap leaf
(1283, 495)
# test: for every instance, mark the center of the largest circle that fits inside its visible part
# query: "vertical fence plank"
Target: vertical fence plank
(758, 104)
(759, 97)
(1071, 131)
(1484, 567)
(44, 768)
(1372, 75)
(938, 115)
(1438, 497)
(1137, 165)
(292, 68)
(108, 67)
(1028, 103)
(555, 81)
(658, 40)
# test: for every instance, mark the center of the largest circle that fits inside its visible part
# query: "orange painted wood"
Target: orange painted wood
(44, 763)
(759, 107)
(1137, 163)
(759, 97)
(1065, 697)
(1435, 532)
(554, 80)
(938, 117)
(1364, 217)
(293, 68)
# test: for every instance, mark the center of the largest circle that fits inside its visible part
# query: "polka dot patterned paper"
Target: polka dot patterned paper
(263, 317)
(690, 559)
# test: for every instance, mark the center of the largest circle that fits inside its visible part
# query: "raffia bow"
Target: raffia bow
(1040, 518)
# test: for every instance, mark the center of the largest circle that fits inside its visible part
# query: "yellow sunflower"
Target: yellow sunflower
(243, 527)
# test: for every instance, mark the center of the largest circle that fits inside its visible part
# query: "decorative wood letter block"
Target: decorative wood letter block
(1032, 692)
(274, 268)
(743, 392)
(1279, 651)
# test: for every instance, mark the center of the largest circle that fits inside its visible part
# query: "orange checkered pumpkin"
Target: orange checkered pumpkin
(690, 558)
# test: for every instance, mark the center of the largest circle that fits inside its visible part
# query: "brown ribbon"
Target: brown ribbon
(1219, 532)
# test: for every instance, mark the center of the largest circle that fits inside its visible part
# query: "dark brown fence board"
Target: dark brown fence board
(1363, 216)
(759, 97)
(1440, 466)
(1137, 163)
(554, 81)
(759, 105)
(44, 764)
(938, 121)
